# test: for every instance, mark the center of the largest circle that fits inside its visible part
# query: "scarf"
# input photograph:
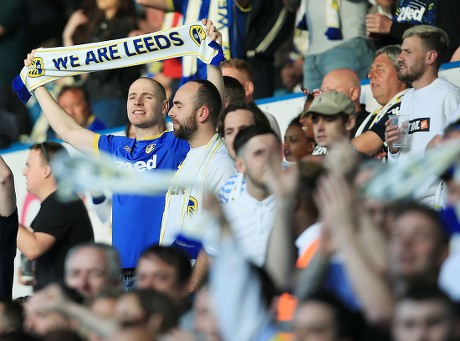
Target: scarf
(218, 12)
(52, 63)
(333, 31)
(183, 211)
(379, 112)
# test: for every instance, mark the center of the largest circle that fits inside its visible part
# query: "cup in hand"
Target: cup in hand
(27, 270)
(402, 121)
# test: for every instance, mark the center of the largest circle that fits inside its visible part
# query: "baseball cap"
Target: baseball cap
(332, 103)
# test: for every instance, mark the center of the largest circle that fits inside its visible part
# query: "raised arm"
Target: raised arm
(215, 72)
(335, 200)
(62, 123)
(281, 250)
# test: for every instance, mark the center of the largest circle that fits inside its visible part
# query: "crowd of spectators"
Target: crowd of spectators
(262, 234)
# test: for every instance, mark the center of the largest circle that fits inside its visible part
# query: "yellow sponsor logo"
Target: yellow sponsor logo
(36, 69)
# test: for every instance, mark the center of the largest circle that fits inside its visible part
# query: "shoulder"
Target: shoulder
(177, 145)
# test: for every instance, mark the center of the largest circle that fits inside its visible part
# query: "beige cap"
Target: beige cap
(332, 103)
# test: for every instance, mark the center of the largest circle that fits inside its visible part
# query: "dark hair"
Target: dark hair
(81, 89)
(160, 87)
(62, 334)
(172, 256)
(347, 323)
(84, 33)
(13, 314)
(295, 121)
(154, 302)
(423, 292)
(453, 127)
(240, 65)
(49, 149)
(234, 90)
(19, 335)
(432, 215)
(208, 95)
(258, 117)
(247, 133)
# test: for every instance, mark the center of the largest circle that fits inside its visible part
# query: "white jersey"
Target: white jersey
(206, 166)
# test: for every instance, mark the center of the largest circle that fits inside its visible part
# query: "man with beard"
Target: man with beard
(432, 102)
(153, 149)
(195, 112)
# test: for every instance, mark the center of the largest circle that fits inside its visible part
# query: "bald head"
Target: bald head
(345, 81)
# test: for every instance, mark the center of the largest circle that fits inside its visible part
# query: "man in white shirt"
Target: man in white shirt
(431, 103)
(251, 215)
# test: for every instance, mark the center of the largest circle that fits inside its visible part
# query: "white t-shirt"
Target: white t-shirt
(251, 221)
(208, 166)
(431, 109)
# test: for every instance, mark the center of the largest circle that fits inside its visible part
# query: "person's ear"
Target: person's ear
(203, 114)
(240, 166)
(165, 107)
(431, 57)
(351, 122)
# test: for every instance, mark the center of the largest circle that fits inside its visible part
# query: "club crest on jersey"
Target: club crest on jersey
(150, 148)
(192, 206)
(36, 68)
(197, 34)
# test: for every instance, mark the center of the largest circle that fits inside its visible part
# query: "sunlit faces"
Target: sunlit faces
(314, 321)
(73, 101)
(88, 272)
(35, 171)
(415, 247)
(328, 129)
(234, 121)
(146, 106)
(183, 114)
(383, 79)
(154, 273)
(427, 320)
(253, 157)
(412, 59)
(295, 143)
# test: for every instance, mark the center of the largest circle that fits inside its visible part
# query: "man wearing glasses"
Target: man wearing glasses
(58, 225)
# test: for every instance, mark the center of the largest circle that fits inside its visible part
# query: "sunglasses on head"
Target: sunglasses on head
(314, 92)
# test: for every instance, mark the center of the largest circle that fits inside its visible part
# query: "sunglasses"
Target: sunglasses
(314, 92)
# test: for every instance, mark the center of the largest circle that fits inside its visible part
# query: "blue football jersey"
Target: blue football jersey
(136, 219)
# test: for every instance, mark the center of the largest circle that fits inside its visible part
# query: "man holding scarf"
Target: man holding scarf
(154, 148)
